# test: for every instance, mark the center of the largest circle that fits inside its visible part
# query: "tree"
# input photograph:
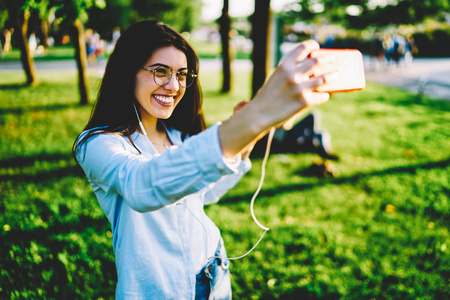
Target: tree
(19, 14)
(74, 12)
(180, 14)
(360, 14)
(44, 11)
(117, 13)
(260, 36)
(224, 29)
(406, 12)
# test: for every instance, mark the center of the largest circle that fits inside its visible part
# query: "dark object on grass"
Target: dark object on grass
(321, 170)
(302, 137)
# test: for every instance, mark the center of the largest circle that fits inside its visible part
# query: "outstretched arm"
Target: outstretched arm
(288, 91)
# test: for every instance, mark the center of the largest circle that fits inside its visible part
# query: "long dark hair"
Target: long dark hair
(113, 111)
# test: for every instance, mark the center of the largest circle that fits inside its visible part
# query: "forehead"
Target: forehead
(170, 56)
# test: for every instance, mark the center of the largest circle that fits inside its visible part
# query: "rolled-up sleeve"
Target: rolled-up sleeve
(151, 183)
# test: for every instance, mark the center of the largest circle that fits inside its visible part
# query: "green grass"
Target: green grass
(378, 230)
(213, 50)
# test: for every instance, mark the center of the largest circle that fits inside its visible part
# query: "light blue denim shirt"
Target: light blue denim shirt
(154, 202)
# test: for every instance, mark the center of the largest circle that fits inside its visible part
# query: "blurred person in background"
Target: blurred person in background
(377, 52)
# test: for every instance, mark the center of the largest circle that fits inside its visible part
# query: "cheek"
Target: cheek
(138, 87)
(142, 90)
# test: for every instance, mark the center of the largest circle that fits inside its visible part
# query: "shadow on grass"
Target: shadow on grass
(55, 252)
(408, 99)
(13, 86)
(46, 176)
(23, 161)
(282, 189)
(36, 108)
(37, 258)
(302, 293)
(420, 100)
(36, 175)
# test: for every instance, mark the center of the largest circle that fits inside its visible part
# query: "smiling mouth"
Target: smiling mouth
(164, 100)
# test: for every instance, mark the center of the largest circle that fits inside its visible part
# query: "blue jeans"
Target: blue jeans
(213, 281)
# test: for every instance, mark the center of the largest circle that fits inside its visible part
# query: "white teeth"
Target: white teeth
(165, 100)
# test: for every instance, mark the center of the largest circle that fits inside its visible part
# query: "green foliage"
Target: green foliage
(10, 9)
(180, 14)
(3, 14)
(71, 10)
(407, 12)
(117, 13)
(378, 230)
(371, 13)
(435, 43)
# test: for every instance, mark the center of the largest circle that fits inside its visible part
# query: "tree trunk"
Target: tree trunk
(81, 58)
(25, 54)
(44, 30)
(260, 35)
(225, 25)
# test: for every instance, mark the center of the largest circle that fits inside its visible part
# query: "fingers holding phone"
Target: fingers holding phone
(347, 73)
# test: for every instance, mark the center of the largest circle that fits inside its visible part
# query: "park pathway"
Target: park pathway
(430, 76)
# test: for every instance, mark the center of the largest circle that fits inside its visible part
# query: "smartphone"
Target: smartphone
(349, 67)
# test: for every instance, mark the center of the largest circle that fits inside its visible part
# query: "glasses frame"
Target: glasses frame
(194, 76)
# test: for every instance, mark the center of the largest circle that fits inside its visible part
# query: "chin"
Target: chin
(164, 116)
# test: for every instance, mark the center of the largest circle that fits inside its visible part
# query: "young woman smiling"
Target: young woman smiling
(153, 165)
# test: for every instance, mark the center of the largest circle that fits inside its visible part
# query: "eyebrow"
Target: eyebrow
(166, 66)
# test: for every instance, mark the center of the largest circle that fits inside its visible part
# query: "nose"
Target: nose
(173, 84)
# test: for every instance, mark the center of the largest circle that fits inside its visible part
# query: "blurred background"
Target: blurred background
(390, 33)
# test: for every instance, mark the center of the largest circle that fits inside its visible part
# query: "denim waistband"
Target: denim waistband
(207, 275)
(219, 259)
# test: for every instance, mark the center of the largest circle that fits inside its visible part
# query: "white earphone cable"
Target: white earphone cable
(140, 122)
(252, 202)
(263, 175)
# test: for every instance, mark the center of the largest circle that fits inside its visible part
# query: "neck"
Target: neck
(159, 139)
(150, 126)
(156, 133)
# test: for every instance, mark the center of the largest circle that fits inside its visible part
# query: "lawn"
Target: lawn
(378, 229)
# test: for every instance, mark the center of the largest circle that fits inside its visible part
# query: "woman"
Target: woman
(153, 166)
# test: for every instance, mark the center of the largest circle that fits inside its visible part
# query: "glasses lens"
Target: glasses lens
(186, 78)
(162, 76)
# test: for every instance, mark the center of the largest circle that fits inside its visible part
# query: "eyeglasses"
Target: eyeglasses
(163, 75)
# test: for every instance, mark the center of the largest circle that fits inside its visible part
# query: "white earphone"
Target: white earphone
(140, 122)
